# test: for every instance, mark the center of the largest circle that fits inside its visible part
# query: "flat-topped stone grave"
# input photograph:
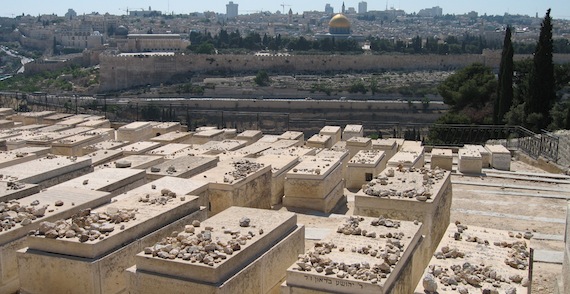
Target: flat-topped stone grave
(340, 154)
(442, 158)
(423, 195)
(500, 157)
(268, 139)
(202, 137)
(55, 118)
(96, 123)
(414, 147)
(250, 136)
(137, 161)
(182, 167)
(73, 145)
(293, 135)
(320, 141)
(469, 161)
(29, 118)
(280, 165)
(351, 131)
(215, 147)
(47, 205)
(285, 144)
(46, 139)
(12, 157)
(71, 121)
(114, 181)
(10, 190)
(485, 154)
(138, 148)
(47, 171)
(54, 128)
(106, 145)
(205, 128)
(38, 151)
(134, 132)
(251, 248)
(240, 182)
(406, 159)
(160, 128)
(173, 137)
(364, 255)
(99, 252)
(229, 133)
(363, 166)
(101, 157)
(6, 111)
(335, 132)
(6, 124)
(253, 150)
(316, 183)
(168, 149)
(355, 144)
(31, 127)
(473, 259)
(293, 151)
(179, 186)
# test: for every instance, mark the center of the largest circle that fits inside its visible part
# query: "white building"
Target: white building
(362, 7)
(231, 10)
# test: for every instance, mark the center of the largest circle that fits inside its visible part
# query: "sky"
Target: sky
(560, 8)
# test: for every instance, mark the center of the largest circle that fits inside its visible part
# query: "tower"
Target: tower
(343, 8)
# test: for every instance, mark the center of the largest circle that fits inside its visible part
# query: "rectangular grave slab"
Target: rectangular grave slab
(258, 267)
(206, 136)
(13, 239)
(442, 158)
(393, 275)
(325, 204)
(335, 154)
(280, 165)
(314, 177)
(293, 135)
(320, 141)
(229, 133)
(47, 171)
(479, 251)
(73, 146)
(165, 127)
(134, 132)
(38, 151)
(500, 157)
(9, 158)
(6, 124)
(114, 181)
(101, 157)
(182, 167)
(412, 196)
(355, 144)
(351, 131)
(470, 161)
(72, 121)
(485, 154)
(250, 136)
(363, 167)
(138, 148)
(335, 132)
(173, 137)
(55, 118)
(10, 190)
(104, 274)
(168, 149)
(406, 159)
(215, 147)
(241, 182)
(137, 161)
(96, 123)
(107, 145)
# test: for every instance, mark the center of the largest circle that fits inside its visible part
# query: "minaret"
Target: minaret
(290, 15)
(343, 7)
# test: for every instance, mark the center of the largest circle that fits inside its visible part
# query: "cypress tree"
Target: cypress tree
(542, 95)
(504, 98)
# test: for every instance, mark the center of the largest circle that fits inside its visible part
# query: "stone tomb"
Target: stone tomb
(293, 135)
(363, 167)
(412, 195)
(280, 165)
(241, 182)
(100, 157)
(364, 255)
(341, 155)
(55, 118)
(320, 141)
(250, 136)
(9, 158)
(285, 144)
(500, 157)
(206, 136)
(168, 149)
(160, 128)
(485, 154)
(138, 148)
(351, 131)
(414, 147)
(316, 183)
(181, 167)
(6, 124)
(355, 144)
(335, 132)
(173, 137)
(96, 123)
(73, 146)
(138, 161)
(38, 151)
(91, 258)
(251, 253)
(71, 121)
(58, 203)
(406, 159)
(47, 171)
(114, 181)
(10, 190)
(473, 259)
(229, 133)
(106, 145)
(216, 147)
(29, 118)
(470, 161)
(134, 132)
(442, 158)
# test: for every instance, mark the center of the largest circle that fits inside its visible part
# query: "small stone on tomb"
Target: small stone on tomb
(196, 223)
(85, 182)
(59, 203)
(244, 222)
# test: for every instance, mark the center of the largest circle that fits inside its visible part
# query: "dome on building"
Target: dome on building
(339, 24)
(122, 31)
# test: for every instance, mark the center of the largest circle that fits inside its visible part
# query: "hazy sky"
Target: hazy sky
(560, 8)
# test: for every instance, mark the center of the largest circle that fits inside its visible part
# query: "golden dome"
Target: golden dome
(339, 21)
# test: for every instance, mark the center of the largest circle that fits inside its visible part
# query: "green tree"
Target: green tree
(262, 78)
(542, 95)
(472, 86)
(205, 48)
(504, 98)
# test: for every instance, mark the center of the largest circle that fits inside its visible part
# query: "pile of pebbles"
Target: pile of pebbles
(13, 213)
(387, 257)
(166, 195)
(242, 168)
(196, 245)
(86, 225)
(409, 178)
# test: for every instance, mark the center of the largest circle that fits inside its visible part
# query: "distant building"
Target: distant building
(136, 43)
(329, 9)
(231, 10)
(362, 7)
(340, 28)
(71, 14)
(145, 13)
(431, 12)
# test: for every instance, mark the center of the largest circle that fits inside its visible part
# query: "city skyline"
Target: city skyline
(560, 8)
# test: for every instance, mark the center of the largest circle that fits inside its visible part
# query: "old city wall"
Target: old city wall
(121, 72)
